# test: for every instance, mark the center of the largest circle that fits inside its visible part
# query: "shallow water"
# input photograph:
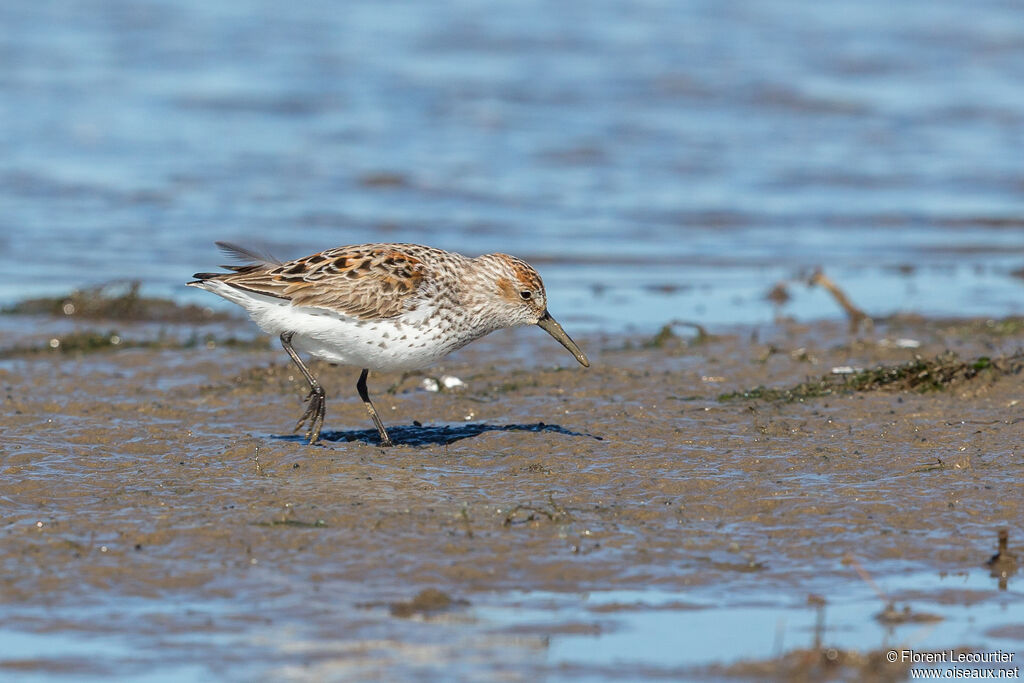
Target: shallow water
(656, 160)
(599, 635)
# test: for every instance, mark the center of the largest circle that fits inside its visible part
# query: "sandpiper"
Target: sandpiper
(381, 307)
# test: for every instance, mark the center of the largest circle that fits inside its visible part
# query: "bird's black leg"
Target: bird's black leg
(317, 405)
(385, 440)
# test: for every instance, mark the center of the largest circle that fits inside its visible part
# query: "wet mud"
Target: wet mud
(158, 491)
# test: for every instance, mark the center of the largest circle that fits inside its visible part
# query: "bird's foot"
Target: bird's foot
(316, 409)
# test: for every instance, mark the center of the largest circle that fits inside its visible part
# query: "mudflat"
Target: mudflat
(152, 490)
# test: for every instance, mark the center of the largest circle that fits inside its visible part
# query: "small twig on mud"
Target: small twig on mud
(855, 315)
(1004, 563)
(818, 603)
(466, 521)
(890, 615)
(863, 574)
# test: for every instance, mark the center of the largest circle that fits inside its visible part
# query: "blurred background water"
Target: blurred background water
(656, 160)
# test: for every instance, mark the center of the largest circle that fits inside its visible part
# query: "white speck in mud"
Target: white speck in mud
(451, 382)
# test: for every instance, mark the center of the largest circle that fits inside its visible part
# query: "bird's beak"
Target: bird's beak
(551, 326)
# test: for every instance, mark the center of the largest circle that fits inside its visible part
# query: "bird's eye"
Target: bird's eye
(526, 294)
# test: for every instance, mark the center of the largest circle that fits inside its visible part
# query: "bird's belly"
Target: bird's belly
(380, 345)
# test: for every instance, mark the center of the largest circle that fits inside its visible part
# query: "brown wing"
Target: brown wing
(365, 281)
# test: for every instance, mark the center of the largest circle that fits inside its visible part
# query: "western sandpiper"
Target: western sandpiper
(381, 307)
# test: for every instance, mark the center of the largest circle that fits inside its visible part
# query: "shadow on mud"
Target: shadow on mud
(414, 435)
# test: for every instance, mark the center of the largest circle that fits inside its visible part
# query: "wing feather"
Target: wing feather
(365, 281)
(247, 255)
